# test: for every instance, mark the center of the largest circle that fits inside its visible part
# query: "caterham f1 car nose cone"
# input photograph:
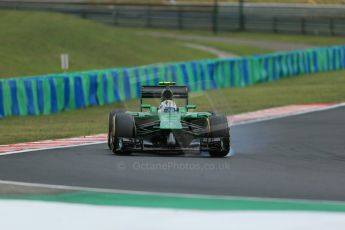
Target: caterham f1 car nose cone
(171, 139)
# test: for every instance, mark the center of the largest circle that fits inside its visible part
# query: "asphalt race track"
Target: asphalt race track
(295, 157)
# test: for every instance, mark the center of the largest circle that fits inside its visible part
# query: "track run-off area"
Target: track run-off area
(299, 156)
(290, 167)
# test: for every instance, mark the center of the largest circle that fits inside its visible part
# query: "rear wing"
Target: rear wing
(180, 92)
(156, 91)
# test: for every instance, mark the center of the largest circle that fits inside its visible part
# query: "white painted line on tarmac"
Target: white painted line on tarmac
(289, 114)
(55, 147)
(182, 195)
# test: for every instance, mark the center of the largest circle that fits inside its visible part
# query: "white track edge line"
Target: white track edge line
(49, 148)
(290, 114)
(179, 195)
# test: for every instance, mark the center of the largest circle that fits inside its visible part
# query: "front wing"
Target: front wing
(197, 145)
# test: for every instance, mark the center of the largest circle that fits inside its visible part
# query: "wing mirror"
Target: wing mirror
(191, 106)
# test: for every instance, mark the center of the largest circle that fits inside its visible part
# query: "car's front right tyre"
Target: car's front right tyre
(123, 127)
(219, 128)
(111, 124)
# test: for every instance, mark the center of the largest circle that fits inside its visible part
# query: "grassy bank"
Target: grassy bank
(318, 88)
(32, 41)
(31, 44)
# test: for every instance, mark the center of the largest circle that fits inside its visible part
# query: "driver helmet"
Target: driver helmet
(167, 94)
(167, 104)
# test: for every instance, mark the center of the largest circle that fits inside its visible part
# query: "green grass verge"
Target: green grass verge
(31, 43)
(181, 202)
(317, 88)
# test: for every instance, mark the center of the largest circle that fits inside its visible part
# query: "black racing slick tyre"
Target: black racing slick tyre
(110, 123)
(219, 128)
(124, 128)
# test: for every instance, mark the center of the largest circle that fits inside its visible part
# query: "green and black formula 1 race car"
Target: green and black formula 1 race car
(168, 128)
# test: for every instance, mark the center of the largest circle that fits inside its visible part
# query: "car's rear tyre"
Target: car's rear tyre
(110, 123)
(219, 128)
(124, 128)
